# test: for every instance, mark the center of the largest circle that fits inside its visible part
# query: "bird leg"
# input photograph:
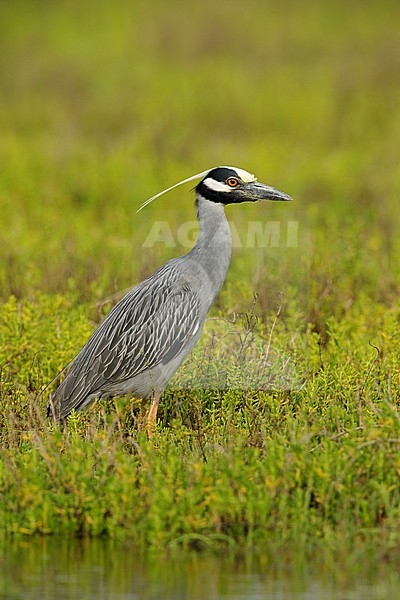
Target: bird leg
(152, 414)
(142, 415)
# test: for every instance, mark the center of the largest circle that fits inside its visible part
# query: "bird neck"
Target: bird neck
(213, 248)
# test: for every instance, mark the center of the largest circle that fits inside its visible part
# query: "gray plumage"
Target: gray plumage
(151, 331)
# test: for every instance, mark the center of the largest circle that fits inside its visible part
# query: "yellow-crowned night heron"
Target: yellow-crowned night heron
(150, 332)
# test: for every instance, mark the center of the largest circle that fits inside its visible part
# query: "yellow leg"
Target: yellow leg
(142, 416)
(152, 415)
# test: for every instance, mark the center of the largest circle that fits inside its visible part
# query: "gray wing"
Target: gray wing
(148, 327)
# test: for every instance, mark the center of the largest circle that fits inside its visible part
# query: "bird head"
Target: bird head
(228, 185)
(231, 185)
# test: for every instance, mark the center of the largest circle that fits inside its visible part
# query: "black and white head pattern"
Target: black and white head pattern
(225, 185)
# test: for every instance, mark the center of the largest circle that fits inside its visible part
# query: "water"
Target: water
(71, 569)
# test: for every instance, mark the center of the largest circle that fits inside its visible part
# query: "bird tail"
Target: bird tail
(69, 396)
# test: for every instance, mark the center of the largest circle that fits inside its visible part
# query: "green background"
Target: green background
(103, 105)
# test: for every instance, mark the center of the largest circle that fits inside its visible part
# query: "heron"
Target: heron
(148, 334)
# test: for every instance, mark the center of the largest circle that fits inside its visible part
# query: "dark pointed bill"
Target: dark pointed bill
(260, 191)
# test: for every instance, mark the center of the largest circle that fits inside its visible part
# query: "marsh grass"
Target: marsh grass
(317, 465)
(283, 426)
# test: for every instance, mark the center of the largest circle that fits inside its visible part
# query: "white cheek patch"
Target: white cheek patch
(217, 186)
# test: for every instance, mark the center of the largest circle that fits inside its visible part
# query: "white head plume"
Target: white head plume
(198, 176)
(245, 176)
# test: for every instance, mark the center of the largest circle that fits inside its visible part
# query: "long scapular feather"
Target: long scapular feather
(198, 176)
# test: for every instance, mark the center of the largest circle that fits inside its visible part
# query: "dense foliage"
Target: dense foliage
(102, 105)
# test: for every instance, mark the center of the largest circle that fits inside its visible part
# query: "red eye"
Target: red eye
(232, 181)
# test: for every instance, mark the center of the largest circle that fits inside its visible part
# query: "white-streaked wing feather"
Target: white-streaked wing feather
(148, 327)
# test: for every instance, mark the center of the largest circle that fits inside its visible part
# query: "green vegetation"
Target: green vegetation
(101, 106)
